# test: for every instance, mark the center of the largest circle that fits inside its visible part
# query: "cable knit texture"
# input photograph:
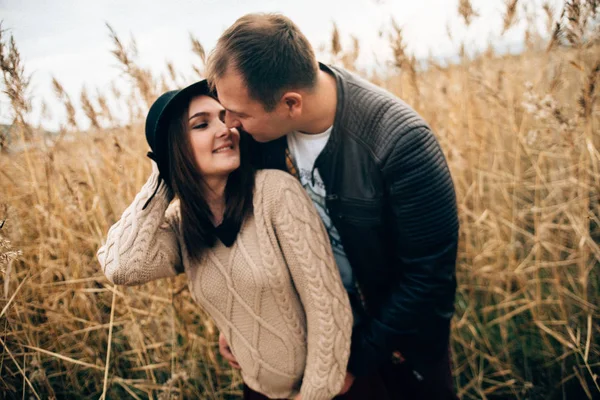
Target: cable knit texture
(276, 294)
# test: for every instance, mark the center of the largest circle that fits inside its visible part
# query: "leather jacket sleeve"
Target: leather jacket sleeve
(421, 197)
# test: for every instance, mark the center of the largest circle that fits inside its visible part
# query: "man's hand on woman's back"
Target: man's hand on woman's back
(226, 352)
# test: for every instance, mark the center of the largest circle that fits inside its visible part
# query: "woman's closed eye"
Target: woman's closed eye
(200, 125)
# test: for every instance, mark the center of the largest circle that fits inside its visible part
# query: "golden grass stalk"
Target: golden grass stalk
(556, 37)
(198, 50)
(171, 71)
(576, 22)
(25, 379)
(110, 331)
(89, 109)
(399, 56)
(127, 55)
(548, 10)
(105, 111)
(16, 85)
(510, 14)
(402, 62)
(466, 11)
(578, 16)
(349, 57)
(64, 97)
(589, 95)
(345, 58)
(336, 41)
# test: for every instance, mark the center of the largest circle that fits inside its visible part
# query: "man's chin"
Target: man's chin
(259, 137)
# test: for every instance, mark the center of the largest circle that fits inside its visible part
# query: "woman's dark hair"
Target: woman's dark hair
(188, 185)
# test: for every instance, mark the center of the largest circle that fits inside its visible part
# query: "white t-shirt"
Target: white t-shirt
(305, 148)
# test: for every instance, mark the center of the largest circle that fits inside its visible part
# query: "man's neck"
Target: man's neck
(320, 105)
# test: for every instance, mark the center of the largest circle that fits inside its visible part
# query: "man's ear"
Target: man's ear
(292, 101)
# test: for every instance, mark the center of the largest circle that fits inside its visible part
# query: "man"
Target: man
(379, 179)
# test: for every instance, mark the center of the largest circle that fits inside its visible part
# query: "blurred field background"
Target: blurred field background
(520, 133)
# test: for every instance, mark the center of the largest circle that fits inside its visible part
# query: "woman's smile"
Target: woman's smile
(224, 148)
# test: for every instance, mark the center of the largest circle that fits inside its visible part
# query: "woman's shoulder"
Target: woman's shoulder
(271, 185)
(274, 179)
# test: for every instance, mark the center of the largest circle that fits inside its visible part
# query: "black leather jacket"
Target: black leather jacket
(391, 197)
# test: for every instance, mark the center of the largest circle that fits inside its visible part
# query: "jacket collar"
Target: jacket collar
(328, 161)
(335, 137)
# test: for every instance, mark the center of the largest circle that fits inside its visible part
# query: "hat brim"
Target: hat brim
(181, 97)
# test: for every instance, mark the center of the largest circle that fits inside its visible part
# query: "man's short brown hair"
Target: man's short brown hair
(270, 53)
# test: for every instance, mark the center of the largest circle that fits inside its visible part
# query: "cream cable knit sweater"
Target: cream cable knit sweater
(276, 294)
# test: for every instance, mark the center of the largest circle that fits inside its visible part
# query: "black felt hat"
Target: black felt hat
(157, 123)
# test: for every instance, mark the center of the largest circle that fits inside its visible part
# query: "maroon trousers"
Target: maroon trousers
(395, 381)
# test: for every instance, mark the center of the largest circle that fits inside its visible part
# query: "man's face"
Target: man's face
(245, 113)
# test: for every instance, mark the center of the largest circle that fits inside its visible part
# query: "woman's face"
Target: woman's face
(215, 147)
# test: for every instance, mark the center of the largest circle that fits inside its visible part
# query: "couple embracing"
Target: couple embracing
(313, 214)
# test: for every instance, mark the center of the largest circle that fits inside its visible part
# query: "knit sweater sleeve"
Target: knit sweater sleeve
(142, 246)
(305, 246)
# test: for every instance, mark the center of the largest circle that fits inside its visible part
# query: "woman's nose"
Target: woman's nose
(223, 131)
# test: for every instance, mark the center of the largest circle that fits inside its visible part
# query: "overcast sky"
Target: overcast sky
(68, 39)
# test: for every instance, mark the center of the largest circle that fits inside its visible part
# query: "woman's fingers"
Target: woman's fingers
(226, 352)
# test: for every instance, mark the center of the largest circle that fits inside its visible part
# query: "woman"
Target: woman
(255, 252)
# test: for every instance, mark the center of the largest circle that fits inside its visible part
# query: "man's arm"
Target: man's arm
(421, 196)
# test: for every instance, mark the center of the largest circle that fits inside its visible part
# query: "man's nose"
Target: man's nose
(231, 121)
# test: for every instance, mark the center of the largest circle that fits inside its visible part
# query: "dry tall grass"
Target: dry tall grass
(521, 137)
